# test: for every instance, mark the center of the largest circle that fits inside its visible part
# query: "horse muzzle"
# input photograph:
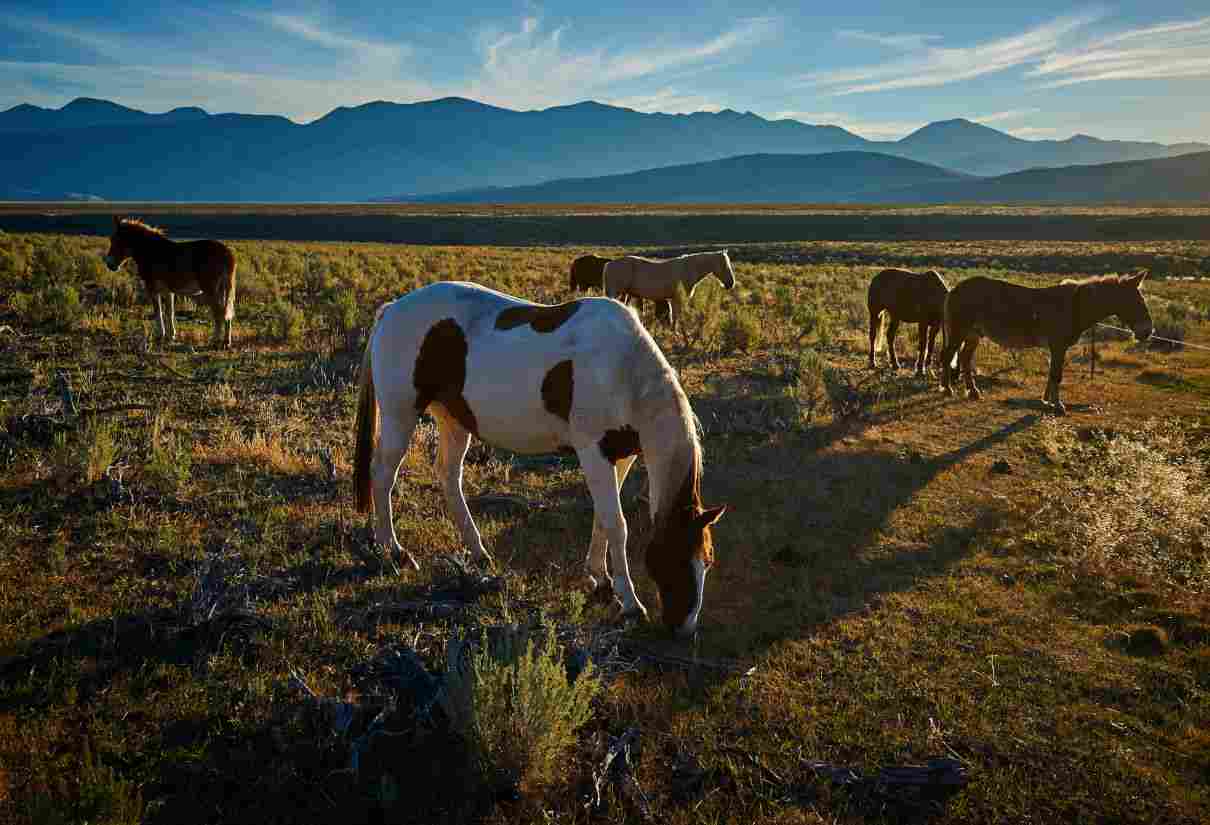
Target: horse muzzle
(111, 263)
(1142, 333)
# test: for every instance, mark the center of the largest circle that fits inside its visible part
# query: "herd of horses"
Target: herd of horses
(586, 377)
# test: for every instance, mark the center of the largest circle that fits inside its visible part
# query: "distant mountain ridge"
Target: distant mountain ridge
(101, 149)
(864, 177)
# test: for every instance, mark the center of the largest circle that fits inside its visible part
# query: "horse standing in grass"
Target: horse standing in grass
(911, 297)
(204, 269)
(583, 376)
(588, 272)
(658, 279)
(1019, 316)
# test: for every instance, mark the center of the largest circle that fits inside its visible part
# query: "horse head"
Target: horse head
(679, 555)
(119, 248)
(1130, 306)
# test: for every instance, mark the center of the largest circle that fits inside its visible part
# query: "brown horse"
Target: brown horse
(205, 269)
(588, 272)
(1018, 317)
(911, 297)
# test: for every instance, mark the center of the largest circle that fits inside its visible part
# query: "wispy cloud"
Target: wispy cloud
(1167, 50)
(869, 129)
(1008, 114)
(530, 66)
(940, 65)
(314, 32)
(906, 42)
(103, 44)
(669, 100)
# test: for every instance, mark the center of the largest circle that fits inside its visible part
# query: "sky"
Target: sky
(1131, 70)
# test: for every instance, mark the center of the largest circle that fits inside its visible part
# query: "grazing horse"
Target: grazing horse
(588, 272)
(583, 376)
(205, 269)
(911, 297)
(657, 279)
(1019, 316)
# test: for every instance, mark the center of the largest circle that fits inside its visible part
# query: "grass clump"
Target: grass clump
(90, 793)
(511, 700)
(285, 322)
(1132, 503)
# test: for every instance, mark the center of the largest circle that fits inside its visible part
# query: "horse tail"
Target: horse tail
(366, 432)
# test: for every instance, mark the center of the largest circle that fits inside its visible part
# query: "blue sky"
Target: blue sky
(1129, 70)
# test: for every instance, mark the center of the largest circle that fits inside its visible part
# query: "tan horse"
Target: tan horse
(1019, 316)
(204, 269)
(588, 272)
(658, 278)
(911, 297)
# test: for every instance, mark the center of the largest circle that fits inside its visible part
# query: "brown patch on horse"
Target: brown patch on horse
(681, 535)
(440, 373)
(618, 444)
(557, 388)
(588, 271)
(540, 318)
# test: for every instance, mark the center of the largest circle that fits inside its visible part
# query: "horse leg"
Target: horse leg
(890, 342)
(1057, 357)
(932, 345)
(172, 314)
(395, 435)
(875, 322)
(607, 509)
(967, 363)
(217, 312)
(595, 562)
(157, 299)
(451, 450)
(921, 356)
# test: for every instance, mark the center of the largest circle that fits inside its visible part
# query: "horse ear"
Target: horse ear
(1137, 278)
(711, 515)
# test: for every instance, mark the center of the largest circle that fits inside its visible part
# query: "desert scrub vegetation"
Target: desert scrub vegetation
(885, 591)
(1131, 503)
(511, 698)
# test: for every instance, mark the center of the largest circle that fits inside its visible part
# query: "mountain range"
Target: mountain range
(96, 148)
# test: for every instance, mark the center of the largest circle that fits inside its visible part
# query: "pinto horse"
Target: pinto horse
(204, 269)
(916, 298)
(657, 278)
(1019, 316)
(583, 376)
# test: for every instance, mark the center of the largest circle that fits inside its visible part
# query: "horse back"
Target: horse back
(908, 296)
(1012, 315)
(206, 266)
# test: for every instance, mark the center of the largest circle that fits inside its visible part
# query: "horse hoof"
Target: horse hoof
(635, 616)
(974, 395)
(946, 390)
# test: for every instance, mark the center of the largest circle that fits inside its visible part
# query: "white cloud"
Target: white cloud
(530, 67)
(1167, 50)
(668, 100)
(313, 32)
(939, 65)
(1008, 114)
(869, 129)
(906, 42)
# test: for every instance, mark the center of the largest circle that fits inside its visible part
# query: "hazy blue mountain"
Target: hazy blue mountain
(862, 177)
(765, 178)
(407, 150)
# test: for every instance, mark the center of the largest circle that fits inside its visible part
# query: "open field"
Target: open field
(899, 576)
(563, 224)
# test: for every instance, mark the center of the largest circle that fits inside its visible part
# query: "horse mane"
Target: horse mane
(1092, 280)
(143, 228)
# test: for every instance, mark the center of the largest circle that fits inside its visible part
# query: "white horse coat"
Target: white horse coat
(583, 376)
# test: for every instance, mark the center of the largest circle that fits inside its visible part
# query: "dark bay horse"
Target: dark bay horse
(204, 269)
(917, 298)
(1019, 316)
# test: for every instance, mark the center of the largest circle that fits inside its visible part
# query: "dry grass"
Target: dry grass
(910, 576)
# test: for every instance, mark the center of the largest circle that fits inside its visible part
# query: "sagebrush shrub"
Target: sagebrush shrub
(511, 699)
(285, 321)
(1132, 503)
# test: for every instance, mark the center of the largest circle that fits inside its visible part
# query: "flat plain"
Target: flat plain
(194, 625)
